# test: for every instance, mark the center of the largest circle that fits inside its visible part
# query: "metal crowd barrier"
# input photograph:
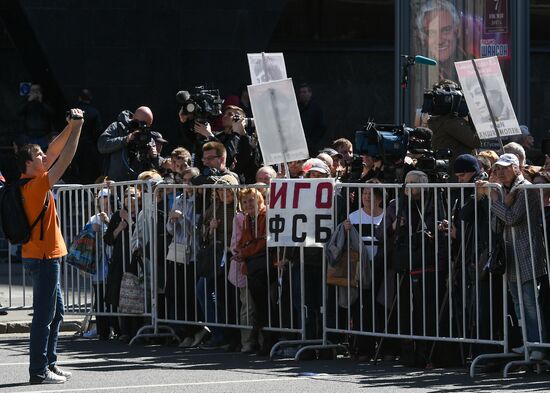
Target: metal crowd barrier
(195, 282)
(535, 283)
(97, 293)
(15, 285)
(429, 297)
(415, 290)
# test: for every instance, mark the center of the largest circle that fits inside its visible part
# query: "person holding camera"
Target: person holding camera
(115, 141)
(43, 253)
(451, 131)
(242, 150)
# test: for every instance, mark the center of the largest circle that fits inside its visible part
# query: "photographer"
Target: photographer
(452, 129)
(116, 141)
(242, 150)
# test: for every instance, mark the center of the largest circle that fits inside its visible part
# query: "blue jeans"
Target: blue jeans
(530, 309)
(207, 302)
(47, 314)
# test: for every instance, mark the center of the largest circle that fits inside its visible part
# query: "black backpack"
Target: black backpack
(13, 218)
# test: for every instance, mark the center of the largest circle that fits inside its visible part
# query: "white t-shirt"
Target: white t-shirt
(366, 226)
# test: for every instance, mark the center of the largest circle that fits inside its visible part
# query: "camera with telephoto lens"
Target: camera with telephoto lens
(248, 121)
(202, 103)
(142, 141)
(445, 98)
(435, 164)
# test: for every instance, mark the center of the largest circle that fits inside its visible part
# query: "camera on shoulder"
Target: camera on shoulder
(445, 97)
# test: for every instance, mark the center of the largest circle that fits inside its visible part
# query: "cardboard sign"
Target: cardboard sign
(497, 98)
(300, 212)
(266, 67)
(278, 123)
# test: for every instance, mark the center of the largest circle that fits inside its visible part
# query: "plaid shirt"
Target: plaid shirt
(517, 237)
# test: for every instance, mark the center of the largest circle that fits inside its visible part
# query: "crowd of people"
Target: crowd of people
(214, 267)
(226, 274)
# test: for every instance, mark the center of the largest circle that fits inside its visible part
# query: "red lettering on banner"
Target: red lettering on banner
(297, 188)
(276, 195)
(319, 204)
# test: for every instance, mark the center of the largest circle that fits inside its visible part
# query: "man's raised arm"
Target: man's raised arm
(69, 149)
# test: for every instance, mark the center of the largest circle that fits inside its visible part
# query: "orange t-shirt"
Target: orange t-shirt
(52, 245)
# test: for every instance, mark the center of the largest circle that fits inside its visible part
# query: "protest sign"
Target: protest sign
(300, 212)
(266, 67)
(497, 98)
(278, 123)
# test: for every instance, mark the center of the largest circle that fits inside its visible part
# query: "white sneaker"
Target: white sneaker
(199, 336)
(49, 378)
(519, 350)
(187, 342)
(537, 355)
(62, 373)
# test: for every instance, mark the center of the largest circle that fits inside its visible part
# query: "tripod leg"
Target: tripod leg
(388, 319)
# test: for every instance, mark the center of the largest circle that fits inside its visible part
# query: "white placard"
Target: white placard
(266, 67)
(497, 98)
(300, 212)
(278, 123)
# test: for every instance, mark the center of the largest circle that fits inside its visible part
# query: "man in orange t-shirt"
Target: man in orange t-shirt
(43, 252)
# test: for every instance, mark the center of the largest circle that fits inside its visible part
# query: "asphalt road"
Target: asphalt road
(114, 367)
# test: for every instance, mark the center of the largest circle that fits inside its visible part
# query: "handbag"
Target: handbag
(131, 299)
(82, 252)
(496, 258)
(209, 258)
(178, 252)
(338, 273)
(236, 275)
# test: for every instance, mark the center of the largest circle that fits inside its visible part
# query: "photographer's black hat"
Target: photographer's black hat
(331, 152)
(157, 136)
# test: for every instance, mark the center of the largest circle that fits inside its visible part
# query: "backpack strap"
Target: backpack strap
(41, 216)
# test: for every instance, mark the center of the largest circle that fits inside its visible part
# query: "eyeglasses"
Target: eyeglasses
(209, 158)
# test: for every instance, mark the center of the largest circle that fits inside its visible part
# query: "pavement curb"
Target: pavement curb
(25, 326)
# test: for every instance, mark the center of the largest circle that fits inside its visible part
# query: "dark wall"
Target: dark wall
(141, 52)
(540, 97)
(351, 87)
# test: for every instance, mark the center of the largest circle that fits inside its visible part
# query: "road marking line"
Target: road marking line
(184, 356)
(171, 385)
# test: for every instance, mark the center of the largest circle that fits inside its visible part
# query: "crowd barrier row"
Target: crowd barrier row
(405, 274)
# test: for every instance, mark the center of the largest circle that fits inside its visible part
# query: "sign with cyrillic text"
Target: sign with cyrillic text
(497, 100)
(300, 212)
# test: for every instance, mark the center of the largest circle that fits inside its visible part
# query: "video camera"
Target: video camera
(390, 144)
(435, 164)
(201, 103)
(445, 98)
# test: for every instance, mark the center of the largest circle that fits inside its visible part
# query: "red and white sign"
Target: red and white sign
(300, 212)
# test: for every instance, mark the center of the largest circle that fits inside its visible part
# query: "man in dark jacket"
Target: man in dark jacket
(242, 149)
(114, 141)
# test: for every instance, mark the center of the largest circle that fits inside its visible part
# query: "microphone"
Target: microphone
(182, 96)
(425, 60)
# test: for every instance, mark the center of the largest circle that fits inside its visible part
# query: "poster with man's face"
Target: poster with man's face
(266, 67)
(498, 102)
(449, 31)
